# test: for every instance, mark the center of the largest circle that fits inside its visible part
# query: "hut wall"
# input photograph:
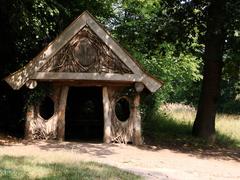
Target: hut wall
(115, 129)
(36, 126)
(121, 131)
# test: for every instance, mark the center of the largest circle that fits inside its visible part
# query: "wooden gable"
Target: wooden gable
(83, 51)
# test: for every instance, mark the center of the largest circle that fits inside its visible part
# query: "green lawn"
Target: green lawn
(29, 168)
(173, 124)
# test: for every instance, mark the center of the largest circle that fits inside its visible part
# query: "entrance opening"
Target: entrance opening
(84, 114)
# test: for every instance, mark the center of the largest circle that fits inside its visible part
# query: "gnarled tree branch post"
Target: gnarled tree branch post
(107, 117)
(61, 113)
(29, 118)
(137, 134)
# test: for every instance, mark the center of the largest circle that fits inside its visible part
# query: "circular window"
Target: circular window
(122, 109)
(46, 108)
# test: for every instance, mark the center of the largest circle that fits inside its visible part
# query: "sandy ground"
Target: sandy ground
(148, 161)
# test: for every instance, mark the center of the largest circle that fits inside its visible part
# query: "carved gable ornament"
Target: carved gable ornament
(83, 51)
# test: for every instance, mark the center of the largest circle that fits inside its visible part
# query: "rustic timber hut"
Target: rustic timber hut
(95, 87)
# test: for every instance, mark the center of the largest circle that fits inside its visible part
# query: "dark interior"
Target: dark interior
(46, 108)
(122, 109)
(84, 114)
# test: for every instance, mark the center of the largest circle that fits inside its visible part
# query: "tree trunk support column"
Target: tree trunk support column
(61, 113)
(30, 118)
(107, 117)
(137, 134)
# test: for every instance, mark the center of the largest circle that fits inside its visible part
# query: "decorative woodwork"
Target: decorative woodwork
(85, 52)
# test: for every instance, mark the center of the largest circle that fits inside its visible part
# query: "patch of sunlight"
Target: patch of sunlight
(36, 171)
(182, 113)
(226, 124)
(98, 169)
(229, 125)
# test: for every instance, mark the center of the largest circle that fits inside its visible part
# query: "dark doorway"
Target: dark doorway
(84, 114)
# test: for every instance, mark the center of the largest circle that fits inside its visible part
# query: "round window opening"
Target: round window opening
(46, 108)
(122, 109)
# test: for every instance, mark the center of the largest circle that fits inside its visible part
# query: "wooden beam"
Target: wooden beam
(89, 83)
(86, 76)
(149, 82)
(107, 116)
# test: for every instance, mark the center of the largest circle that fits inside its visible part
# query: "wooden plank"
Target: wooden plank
(149, 82)
(86, 76)
(152, 84)
(89, 83)
(107, 117)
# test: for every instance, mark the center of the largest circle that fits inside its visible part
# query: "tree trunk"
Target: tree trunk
(204, 125)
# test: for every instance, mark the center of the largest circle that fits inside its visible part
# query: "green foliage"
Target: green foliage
(147, 31)
(230, 86)
(178, 72)
(168, 38)
(35, 23)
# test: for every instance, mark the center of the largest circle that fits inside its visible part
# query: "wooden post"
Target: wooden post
(107, 117)
(137, 135)
(61, 113)
(29, 119)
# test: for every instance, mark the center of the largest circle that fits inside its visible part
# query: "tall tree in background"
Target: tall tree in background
(188, 26)
(204, 125)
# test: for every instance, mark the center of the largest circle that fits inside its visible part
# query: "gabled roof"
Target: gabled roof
(30, 71)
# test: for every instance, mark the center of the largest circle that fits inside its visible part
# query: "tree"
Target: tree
(204, 125)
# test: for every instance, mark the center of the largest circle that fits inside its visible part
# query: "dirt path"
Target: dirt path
(150, 163)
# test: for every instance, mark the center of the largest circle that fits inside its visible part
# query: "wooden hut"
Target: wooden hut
(95, 87)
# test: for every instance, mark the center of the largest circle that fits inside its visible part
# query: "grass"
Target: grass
(173, 123)
(12, 167)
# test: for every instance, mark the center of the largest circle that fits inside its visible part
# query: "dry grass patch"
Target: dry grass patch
(172, 125)
(227, 125)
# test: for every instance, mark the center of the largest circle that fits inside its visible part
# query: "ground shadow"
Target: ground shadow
(98, 149)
